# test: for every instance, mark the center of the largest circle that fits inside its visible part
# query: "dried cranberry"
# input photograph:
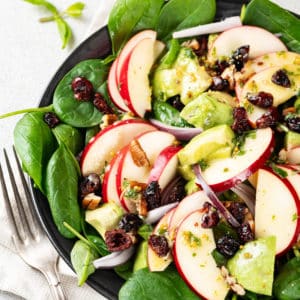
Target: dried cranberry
(220, 66)
(245, 233)
(202, 49)
(100, 103)
(238, 210)
(176, 103)
(227, 246)
(240, 56)
(211, 217)
(152, 195)
(219, 83)
(51, 119)
(268, 119)
(281, 78)
(90, 184)
(130, 222)
(262, 99)
(159, 244)
(293, 123)
(240, 123)
(82, 88)
(117, 240)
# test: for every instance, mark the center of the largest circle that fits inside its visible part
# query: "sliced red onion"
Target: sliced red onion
(209, 28)
(168, 190)
(214, 199)
(156, 214)
(181, 133)
(114, 259)
(247, 194)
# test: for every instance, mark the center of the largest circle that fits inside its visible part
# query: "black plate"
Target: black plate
(98, 45)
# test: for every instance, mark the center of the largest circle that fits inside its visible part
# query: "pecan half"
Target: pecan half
(138, 154)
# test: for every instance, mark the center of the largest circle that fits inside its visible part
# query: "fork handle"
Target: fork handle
(53, 279)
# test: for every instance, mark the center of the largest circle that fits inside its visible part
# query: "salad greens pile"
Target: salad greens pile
(49, 153)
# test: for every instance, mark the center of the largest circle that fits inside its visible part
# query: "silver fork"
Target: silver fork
(28, 236)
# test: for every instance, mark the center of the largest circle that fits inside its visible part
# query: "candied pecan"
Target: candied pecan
(101, 104)
(245, 233)
(227, 246)
(91, 201)
(159, 244)
(211, 217)
(152, 194)
(82, 88)
(262, 99)
(281, 78)
(51, 119)
(90, 184)
(117, 240)
(138, 154)
(241, 122)
(268, 119)
(130, 222)
(107, 120)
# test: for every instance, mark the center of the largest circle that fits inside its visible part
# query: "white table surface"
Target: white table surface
(30, 53)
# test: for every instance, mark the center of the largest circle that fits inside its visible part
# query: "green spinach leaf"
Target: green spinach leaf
(62, 191)
(79, 113)
(91, 132)
(146, 285)
(128, 17)
(82, 257)
(34, 143)
(70, 136)
(180, 14)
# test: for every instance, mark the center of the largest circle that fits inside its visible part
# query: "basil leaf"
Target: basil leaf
(44, 3)
(79, 113)
(34, 143)
(275, 19)
(75, 10)
(180, 14)
(128, 17)
(146, 285)
(62, 191)
(64, 30)
(82, 257)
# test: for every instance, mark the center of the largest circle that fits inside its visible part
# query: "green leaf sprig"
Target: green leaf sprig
(64, 29)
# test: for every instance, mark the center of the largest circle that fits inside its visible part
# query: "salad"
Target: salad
(175, 160)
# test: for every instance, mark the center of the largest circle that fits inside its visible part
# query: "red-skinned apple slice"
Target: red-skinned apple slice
(134, 78)
(152, 143)
(113, 88)
(222, 174)
(157, 263)
(102, 148)
(260, 41)
(192, 255)
(130, 45)
(165, 166)
(186, 206)
(277, 210)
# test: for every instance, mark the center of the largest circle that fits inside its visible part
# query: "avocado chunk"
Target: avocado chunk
(291, 140)
(205, 112)
(202, 146)
(253, 265)
(185, 77)
(140, 261)
(105, 217)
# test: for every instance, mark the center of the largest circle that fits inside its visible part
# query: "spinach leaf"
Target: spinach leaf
(275, 19)
(146, 285)
(125, 270)
(69, 136)
(34, 143)
(79, 113)
(82, 257)
(180, 14)
(99, 243)
(145, 231)
(128, 17)
(91, 132)
(62, 190)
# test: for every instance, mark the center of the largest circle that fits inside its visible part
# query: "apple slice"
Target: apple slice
(134, 82)
(101, 149)
(165, 166)
(152, 143)
(130, 45)
(260, 41)
(157, 263)
(186, 206)
(223, 174)
(113, 88)
(192, 255)
(277, 210)
(293, 155)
